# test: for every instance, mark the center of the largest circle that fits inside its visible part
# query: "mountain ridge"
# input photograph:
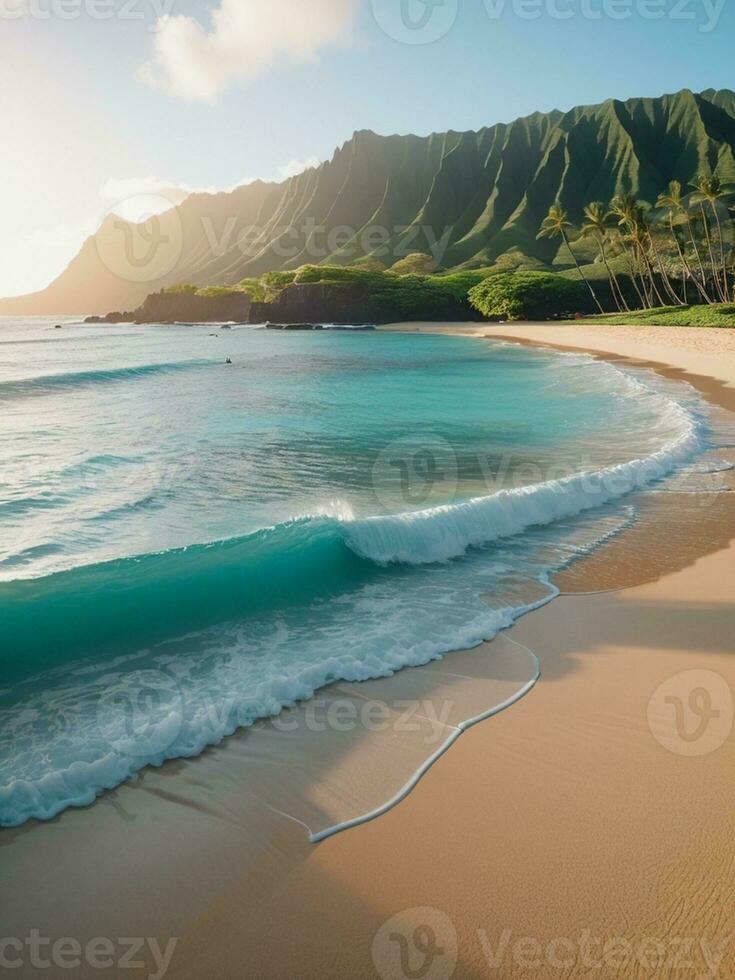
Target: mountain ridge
(468, 198)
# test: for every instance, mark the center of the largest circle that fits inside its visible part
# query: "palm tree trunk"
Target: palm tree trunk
(686, 267)
(664, 275)
(651, 275)
(722, 253)
(582, 275)
(617, 296)
(634, 274)
(693, 237)
(708, 239)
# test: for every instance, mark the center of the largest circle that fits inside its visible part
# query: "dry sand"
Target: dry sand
(588, 831)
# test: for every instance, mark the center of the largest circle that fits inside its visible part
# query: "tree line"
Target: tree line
(675, 254)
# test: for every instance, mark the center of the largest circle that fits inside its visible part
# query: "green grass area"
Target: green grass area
(720, 315)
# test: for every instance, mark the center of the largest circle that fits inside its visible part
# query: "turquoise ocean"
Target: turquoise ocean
(187, 545)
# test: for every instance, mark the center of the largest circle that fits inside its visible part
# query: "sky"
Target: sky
(128, 105)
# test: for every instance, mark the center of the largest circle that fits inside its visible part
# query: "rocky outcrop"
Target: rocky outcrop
(184, 307)
(192, 308)
(115, 317)
(357, 304)
(317, 303)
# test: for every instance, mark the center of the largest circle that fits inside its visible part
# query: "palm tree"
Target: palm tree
(622, 208)
(631, 216)
(634, 271)
(597, 227)
(710, 190)
(672, 201)
(555, 225)
(699, 198)
(672, 293)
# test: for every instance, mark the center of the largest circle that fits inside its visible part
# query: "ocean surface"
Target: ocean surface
(188, 545)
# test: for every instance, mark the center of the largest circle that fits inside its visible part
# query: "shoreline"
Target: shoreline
(560, 819)
(692, 354)
(559, 816)
(634, 556)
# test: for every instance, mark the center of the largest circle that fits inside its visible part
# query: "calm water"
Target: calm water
(209, 542)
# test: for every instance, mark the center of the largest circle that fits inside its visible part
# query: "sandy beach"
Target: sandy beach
(587, 831)
(580, 833)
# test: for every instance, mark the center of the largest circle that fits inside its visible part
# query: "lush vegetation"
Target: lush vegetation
(417, 264)
(676, 253)
(187, 289)
(376, 294)
(528, 296)
(389, 296)
(629, 261)
(704, 315)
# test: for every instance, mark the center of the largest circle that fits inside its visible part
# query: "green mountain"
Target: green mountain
(468, 200)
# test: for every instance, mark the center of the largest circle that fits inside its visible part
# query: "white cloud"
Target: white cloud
(246, 39)
(137, 198)
(295, 167)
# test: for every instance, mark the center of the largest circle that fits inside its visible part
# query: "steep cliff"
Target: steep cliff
(465, 198)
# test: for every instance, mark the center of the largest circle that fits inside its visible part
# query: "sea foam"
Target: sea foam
(273, 616)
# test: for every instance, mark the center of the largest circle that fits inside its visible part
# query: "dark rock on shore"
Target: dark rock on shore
(112, 318)
(354, 303)
(170, 307)
(305, 305)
